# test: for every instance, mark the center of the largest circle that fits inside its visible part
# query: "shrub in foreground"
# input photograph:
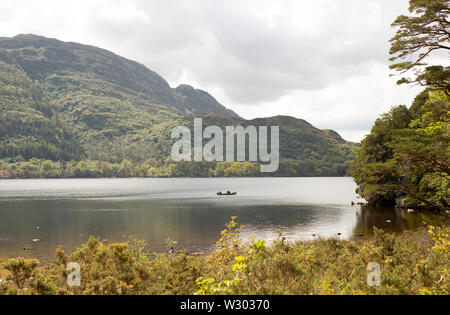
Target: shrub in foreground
(411, 263)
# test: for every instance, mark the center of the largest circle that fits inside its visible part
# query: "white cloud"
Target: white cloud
(325, 61)
(126, 12)
(349, 107)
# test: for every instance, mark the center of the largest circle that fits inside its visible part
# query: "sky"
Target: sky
(324, 61)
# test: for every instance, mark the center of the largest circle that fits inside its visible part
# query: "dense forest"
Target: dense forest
(69, 110)
(405, 159)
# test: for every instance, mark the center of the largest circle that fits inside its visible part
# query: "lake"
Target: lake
(66, 212)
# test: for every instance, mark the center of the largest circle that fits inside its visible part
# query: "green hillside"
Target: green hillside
(91, 113)
(29, 126)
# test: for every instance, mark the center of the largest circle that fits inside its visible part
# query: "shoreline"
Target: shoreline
(356, 239)
(167, 177)
(298, 268)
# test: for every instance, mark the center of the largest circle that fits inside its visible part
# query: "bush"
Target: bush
(411, 263)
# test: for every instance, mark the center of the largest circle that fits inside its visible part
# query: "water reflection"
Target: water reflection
(69, 223)
(390, 220)
(67, 212)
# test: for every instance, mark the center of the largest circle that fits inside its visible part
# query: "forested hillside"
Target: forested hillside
(70, 110)
(29, 126)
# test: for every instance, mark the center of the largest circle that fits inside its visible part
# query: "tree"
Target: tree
(406, 158)
(426, 31)
(423, 151)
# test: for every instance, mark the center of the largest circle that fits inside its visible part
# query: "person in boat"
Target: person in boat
(228, 193)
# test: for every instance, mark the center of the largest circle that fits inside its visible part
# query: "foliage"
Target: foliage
(21, 269)
(29, 126)
(411, 263)
(421, 34)
(404, 161)
(407, 154)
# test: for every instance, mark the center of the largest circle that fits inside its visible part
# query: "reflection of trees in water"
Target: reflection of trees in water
(389, 220)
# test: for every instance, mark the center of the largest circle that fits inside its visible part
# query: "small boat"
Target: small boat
(228, 193)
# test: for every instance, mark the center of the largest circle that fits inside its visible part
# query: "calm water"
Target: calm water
(66, 212)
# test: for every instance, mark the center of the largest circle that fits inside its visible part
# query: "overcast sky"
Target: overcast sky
(324, 61)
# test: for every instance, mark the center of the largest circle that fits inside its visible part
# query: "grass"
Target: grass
(411, 263)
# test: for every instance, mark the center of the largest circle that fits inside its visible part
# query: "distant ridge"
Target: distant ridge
(60, 56)
(66, 101)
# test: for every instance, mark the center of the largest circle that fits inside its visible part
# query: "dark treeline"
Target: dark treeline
(20, 168)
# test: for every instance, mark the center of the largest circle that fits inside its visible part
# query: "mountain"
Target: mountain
(65, 64)
(304, 149)
(66, 101)
(201, 102)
